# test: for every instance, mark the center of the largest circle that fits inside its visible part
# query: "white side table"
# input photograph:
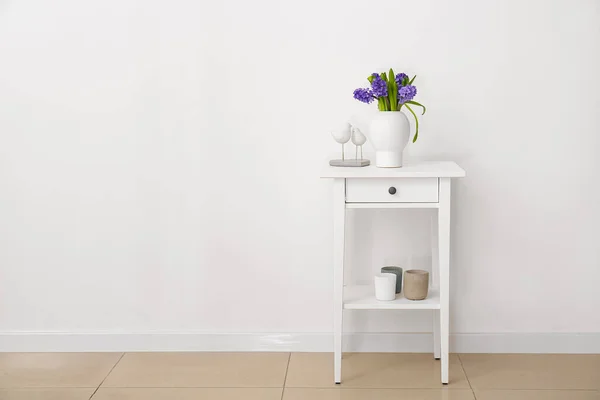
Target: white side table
(419, 185)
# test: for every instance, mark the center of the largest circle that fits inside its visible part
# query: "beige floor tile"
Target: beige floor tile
(537, 395)
(188, 394)
(46, 394)
(373, 370)
(29, 370)
(379, 394)
(199, 370)
(532, 371)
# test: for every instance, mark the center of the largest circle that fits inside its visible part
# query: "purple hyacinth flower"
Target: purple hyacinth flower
(364, 95)
(406, 93)
(379, 86)
(400, 77)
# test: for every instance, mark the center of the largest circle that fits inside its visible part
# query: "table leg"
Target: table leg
(444, 270)
(435, 282)
(436, 335)
(339, 224)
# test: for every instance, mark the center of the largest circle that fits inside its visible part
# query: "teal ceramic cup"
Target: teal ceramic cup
(398, 272)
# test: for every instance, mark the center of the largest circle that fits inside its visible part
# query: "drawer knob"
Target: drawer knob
(392, 190)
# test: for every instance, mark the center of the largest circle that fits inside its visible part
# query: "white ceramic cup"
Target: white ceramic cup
(385, 287)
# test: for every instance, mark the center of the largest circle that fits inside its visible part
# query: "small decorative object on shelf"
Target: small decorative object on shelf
(358, 138)
(396, 271)
(385, 287)
(416, 284)
(389, 131)
(343, 135)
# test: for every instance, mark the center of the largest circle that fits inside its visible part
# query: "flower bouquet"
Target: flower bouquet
(391, 93)
(389, 130)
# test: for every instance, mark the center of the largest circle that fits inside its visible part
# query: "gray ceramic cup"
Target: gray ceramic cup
(398, 272)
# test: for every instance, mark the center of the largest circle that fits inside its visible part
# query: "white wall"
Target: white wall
(150, 150)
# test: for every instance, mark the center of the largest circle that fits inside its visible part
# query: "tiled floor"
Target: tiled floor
(296, 376)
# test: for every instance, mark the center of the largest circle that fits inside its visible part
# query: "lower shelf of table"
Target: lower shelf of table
(362, 297)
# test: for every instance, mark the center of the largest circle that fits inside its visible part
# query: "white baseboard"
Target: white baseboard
(569, 343)
(583, 343)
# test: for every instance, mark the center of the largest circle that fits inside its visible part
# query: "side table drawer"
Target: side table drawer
(392, 190)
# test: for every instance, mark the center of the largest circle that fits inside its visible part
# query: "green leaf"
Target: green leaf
(418, 104)
(416, 122)
(392, 91)
(412, 80)
(387, 104)
(392, 96)
(370, 78)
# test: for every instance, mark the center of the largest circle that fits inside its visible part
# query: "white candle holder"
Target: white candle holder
(385, 287)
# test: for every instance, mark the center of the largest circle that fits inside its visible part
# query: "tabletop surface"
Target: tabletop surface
(421, 169)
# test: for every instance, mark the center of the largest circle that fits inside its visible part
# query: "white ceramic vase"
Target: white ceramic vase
(389, 132)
